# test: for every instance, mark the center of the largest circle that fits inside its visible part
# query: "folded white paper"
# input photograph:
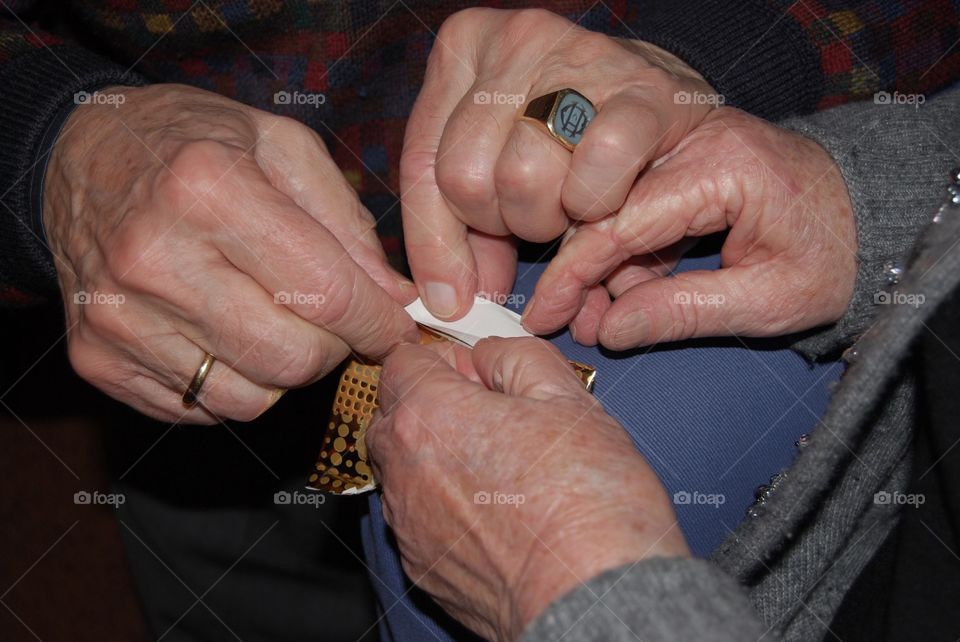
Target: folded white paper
(485, 319)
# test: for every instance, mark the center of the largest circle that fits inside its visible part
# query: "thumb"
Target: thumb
(737, 300)
(525, 367)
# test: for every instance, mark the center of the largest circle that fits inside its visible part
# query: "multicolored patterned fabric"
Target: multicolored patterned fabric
(367, 58)
(870, 46)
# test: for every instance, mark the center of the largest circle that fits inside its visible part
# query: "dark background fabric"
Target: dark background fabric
(769, 57)
(909, 590)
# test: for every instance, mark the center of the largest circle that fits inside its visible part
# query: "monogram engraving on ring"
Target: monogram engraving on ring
(573, 120)
(571, 116)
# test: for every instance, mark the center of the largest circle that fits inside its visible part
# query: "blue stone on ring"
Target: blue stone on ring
(565, 113)
(571, 116)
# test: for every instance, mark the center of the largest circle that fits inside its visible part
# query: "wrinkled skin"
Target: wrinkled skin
(474, 176)
(195, 223)
(510, 417)
(788, 262)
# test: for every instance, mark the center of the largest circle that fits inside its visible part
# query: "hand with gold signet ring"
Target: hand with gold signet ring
(526, 123)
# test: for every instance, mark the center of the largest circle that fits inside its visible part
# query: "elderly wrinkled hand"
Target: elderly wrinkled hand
(183, 223)
(506, 483)
(473, 174)
(788, 262)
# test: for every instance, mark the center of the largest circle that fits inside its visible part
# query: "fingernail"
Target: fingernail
(272, 398)
(413, 335)
(441, 299)
(408, 289)
(526, 310)
(497, 380)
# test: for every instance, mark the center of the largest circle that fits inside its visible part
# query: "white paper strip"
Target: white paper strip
(485, 319)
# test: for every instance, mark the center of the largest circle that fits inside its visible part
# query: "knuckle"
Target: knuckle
(416, 163)
(339, 293)
(284, 355)
(662, 81)
(469, 186)
(517, 172)
(407, 432)
(525, 22)
(684, 321)
(193, 173)
(298, 362)
(458, 26)
(134, 261)
(286, 127)
(290, 133)
(105, 321)
(581, 54)
(592, 45)
(90, 363)
(609, 147)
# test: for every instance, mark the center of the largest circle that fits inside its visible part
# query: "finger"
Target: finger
(626, 133)
(415, 366)
(296, 161)
(496, 263)
(440, 257)
(529, 176)
(474, 135)
(702, 303)
(286, 251)
(670, 202)
(585, 325)
(170, 359)
(638, 269)
(582, 262)
(225, 393)
(154, 399)
(124, 378)
(629, 274)
(525, 368)
(458, 357)
(232, 317)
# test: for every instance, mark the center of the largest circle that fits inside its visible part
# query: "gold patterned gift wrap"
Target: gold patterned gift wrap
(342, 467)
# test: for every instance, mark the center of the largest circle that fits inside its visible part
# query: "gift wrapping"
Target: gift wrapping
(342, 467)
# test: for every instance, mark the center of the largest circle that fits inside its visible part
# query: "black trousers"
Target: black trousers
(214, 556)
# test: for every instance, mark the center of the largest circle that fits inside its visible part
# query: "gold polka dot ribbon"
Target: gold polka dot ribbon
(342, 467)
